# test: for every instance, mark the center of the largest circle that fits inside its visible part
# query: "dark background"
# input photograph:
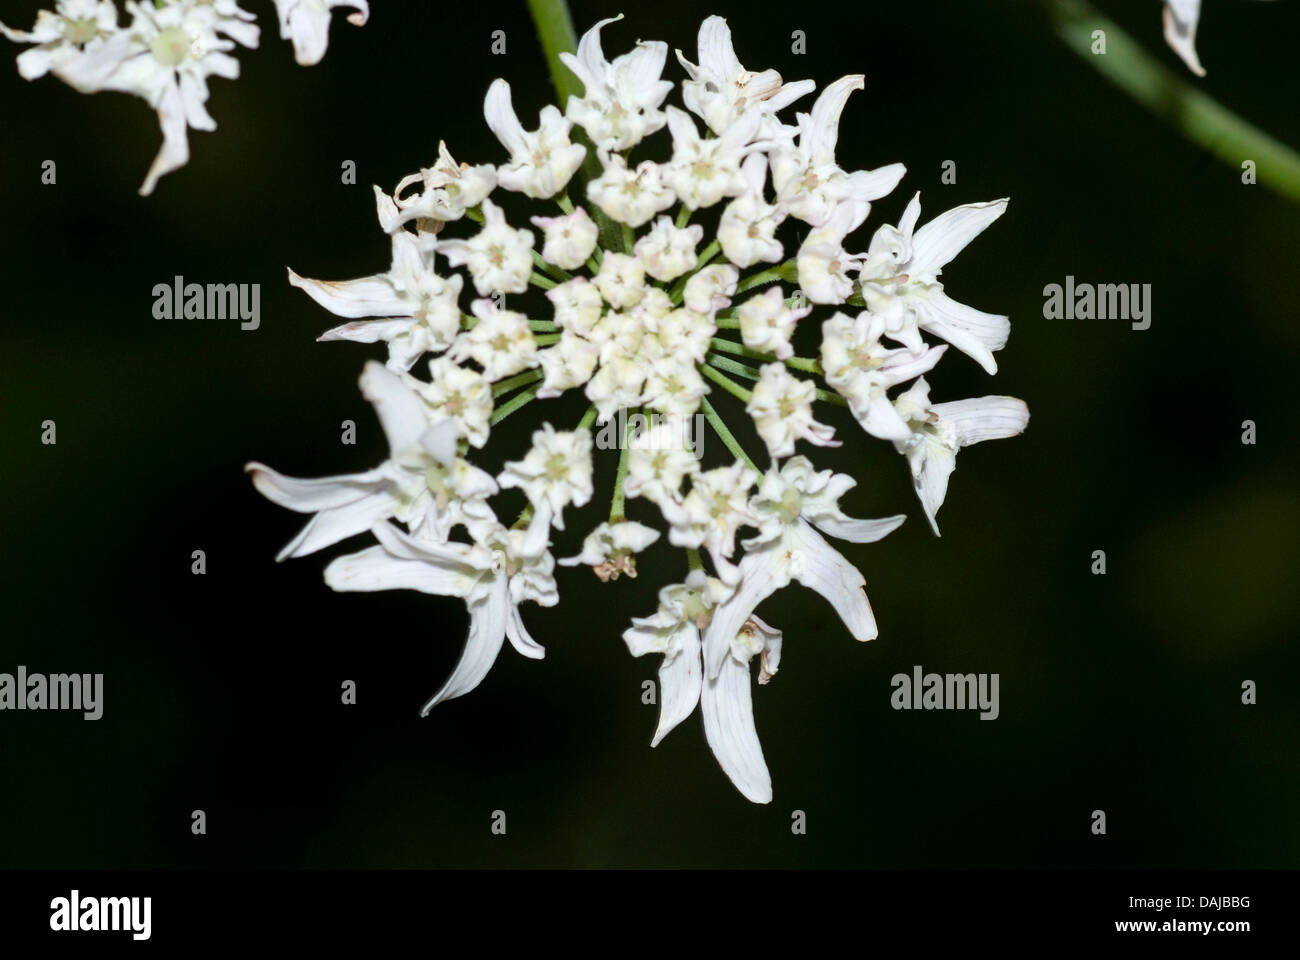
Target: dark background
(1119, 692)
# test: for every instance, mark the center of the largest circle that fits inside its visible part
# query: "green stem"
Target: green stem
(1170, 96)
(725, 435)
(546, 339)
(683, 216)
(705, 256)
(805, 364)
(565, 203)
(518, 380)
(588, 418)
(693, 559)
(733, 388)
(537, 280)
(557, 273)
(616, 501)
(759, 279)
(543, 326)
(629, 238)
(555, 30)
(514, 403)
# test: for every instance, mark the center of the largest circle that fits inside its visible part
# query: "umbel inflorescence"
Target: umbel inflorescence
(648, 317)
(164, 54)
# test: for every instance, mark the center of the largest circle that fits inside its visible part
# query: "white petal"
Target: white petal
(824, 569)
(974, 332)
(316, 494)
(1181, 17)
(728, 711)
(519, 636)
(859, 531)
(376, 569)
(399, 409)
(679, 683)
(371, 296)
(175, 150)
(936, 243)
(759, 579)
(330, 526)
(501, 118)
(984, 418)
(487, 632)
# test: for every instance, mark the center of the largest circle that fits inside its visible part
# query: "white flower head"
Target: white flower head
(568, 364)
(862, 370)
(667, 251)
(554, 473)
(711, 289)
(659, 459)
(447, 190)
(420, 310)
(823, 262)
(499, 257)
(541, 162)
(500, 342)
(899, 278)
(611, 549)
(709, 516)
(577, 305)
(620, 101)
(747, 230)
(767, 323)
(621, 280)
(460, 394)
(720, 91)
(61, 36)
(568, 240)
(782, 407)
(703, 170)
(939, 430)
(632, 197)
(307, 24)
(809, 183)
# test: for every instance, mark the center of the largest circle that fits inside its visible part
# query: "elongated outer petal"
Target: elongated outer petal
(974, 332)
(727, 707)
(823, 568)
(398, 408)
(375, 568)
(315, 494)
(858, 531)
(371, 296)
(501, 118)
(715, 48)
(984, 418)
(936, 243)
(680, 680)
(488, 619)
(761, 573)
(175, 150)
(519, 636)
(821, 135)
(366, 331)
(1181, 17)
(589, 65)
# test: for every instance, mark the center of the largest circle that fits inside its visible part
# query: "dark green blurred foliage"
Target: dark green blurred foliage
(1119, 692)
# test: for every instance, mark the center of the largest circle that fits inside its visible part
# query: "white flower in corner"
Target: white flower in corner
(420, 309)
(767, 323)
(568, 364)
(720, 90)
(554, 473)
(620, 101)
(1181, 17)
(781, 405)
(447, 190)
(620, 280)
(542, 162)
(809, 183)
(494, 576)
(790, 507)
(862, 370)
(165, 57)
(499, 257)
(674, 631)
(611, 549)
(727, 706)
(569, 239)
(423, 483)
(632, 197)
(900, 283)
(307, 24)
(939, 430)
(667, 251)
(60, 37)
